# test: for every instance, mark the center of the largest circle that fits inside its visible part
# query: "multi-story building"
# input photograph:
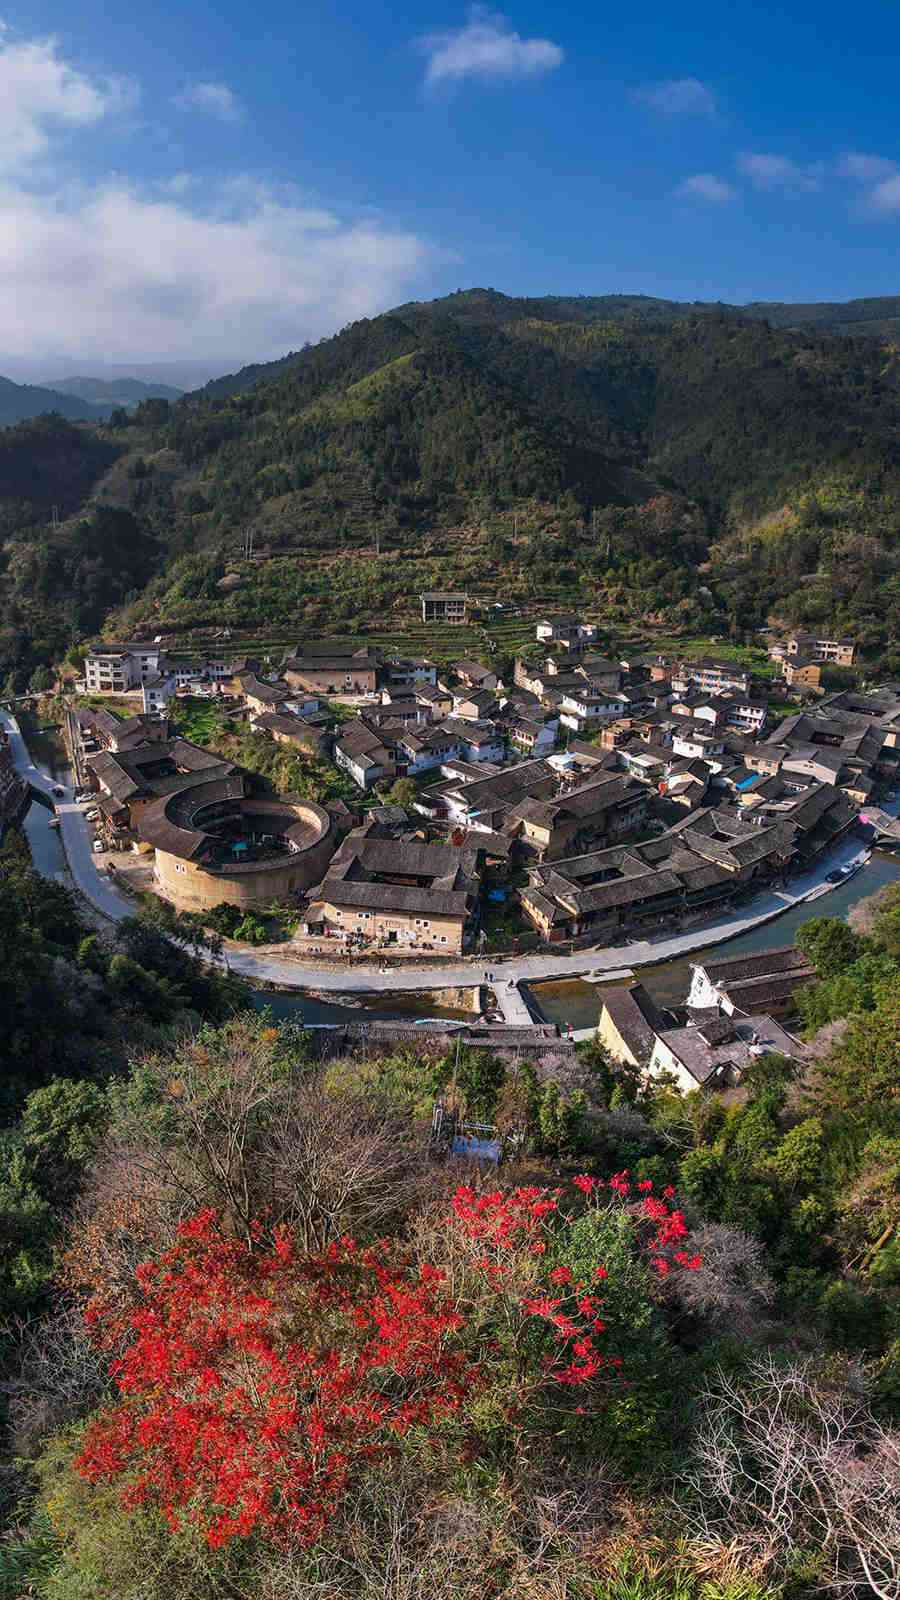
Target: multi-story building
(839, 652)
(802, 672)
(711, 677)
(353, 673)
(120, 668)
(442, 605)
(567, 631)
(581, 710)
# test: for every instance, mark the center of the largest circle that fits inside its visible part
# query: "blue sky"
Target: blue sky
(222, 183)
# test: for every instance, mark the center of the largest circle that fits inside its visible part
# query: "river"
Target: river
(578, 1002)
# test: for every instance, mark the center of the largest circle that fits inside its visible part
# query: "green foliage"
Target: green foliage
(829, 943)
(403, 793)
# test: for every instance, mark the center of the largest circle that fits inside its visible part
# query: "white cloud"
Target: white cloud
(41, 94)
(705, 186)
(216, 99)
(488, 47)
(777, 172)
(865, 168)
(115, 271)
(118, 273)
(677, 96)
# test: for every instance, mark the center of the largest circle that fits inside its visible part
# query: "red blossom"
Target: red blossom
(257, 1383)
(227, 1417)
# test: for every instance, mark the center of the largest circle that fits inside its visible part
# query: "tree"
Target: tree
(41, 681)
(829, 944)
(795, 1461)
(60, 1127)
(797, 1162)
(861, 1074)
(403, 793)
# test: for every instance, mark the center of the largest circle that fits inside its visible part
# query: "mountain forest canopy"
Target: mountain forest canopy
(712, 465)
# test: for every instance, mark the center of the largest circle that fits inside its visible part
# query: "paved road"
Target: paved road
(288, 972)
(74, 831)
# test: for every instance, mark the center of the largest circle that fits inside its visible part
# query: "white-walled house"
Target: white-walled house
(564, 629)
(119, 668)
(581, 710)
(698, 745)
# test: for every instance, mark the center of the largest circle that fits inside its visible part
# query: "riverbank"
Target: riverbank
(578, 1001)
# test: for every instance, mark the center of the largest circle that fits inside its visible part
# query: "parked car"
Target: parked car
(97, 845)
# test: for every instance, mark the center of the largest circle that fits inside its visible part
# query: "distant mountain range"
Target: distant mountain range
(76, 399)
(114, 391)
(19, 401)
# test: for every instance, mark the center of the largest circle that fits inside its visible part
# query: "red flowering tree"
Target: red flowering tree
(258, 1381)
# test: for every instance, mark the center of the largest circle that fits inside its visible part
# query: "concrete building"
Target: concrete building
(442, 605)
(120, 668)
(839, 652)
(158, 692)
(408, 672)
(533, 738)
(583, 709)
(711, 677)
(695, 744)
(567, 631)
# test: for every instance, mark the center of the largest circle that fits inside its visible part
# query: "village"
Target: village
(587, 801)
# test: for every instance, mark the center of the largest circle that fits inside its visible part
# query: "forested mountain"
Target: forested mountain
(694, 462)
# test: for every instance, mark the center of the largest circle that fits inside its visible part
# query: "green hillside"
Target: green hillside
(693, 464)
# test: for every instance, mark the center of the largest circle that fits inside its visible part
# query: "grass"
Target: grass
(120, 706)
(197, 720)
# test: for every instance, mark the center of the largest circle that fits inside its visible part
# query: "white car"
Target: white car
(91, 816)
(97, 845)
